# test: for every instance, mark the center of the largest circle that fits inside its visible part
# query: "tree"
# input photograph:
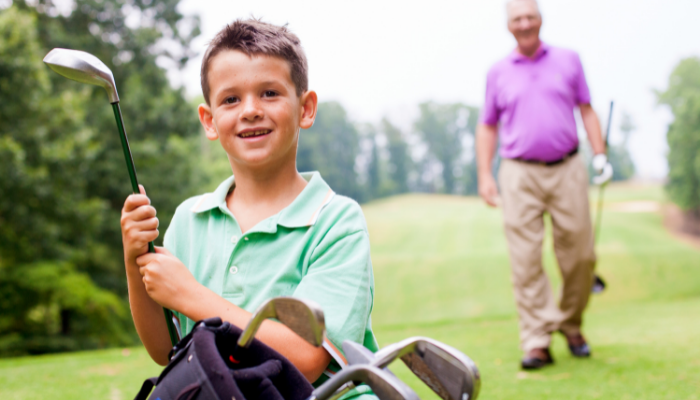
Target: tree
(443, 127)
(374, 180)
(49, 222)
(331, 147)
(64, 178)
(683, 97)
(399, 159)
(619, 156)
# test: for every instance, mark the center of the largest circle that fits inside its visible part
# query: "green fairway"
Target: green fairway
(441, 270)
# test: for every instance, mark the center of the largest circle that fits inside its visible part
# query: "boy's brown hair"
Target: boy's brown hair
(253, 36)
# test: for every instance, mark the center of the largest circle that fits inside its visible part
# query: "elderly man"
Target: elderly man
(530, 100)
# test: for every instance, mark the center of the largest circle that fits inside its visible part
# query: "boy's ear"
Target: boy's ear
(207, 120)
(309, 106)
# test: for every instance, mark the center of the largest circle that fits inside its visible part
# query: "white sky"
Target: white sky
(384, 57)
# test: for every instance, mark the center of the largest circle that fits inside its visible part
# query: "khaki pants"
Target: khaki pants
(528, 191)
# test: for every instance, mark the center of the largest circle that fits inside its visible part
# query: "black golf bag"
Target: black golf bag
(206, 365)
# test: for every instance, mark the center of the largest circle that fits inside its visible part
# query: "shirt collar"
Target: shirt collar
(541, 51)
(303, 211)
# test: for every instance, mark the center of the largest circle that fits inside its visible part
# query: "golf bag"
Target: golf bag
(207, 365)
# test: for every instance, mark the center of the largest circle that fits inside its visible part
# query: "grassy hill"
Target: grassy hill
(441, 270)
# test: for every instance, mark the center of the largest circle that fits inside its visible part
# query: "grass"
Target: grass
(441, 270)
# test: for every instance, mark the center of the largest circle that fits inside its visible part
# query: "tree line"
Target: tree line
(683, 98)
(63, 179)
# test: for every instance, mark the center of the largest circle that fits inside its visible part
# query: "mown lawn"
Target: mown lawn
(441, 270)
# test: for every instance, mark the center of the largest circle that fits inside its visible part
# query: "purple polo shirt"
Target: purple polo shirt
(534, 100)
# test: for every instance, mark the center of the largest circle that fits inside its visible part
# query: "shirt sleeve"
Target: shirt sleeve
(339, 278)
(583, 95)
(490, 113)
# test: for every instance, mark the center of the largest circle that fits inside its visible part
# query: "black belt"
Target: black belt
(550, 163)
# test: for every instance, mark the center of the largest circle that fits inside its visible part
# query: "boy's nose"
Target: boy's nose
(251, 109)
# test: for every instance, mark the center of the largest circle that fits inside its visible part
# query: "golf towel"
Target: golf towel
(207, 365)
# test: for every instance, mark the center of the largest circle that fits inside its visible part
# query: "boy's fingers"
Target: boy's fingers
(141, 229)
(142, 190)
(143, 260)
(146, 237)
(142, 213)
(138, 220)
(163, 250)
(149, 224)
(136, 200)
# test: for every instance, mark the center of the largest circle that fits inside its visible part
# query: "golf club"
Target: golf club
(304, 317)
(86, 68)
(598, 282)
(447, 371)
(385, 385)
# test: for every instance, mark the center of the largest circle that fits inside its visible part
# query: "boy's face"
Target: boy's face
(255, 110)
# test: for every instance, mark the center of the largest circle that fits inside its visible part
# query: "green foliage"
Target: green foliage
(64, 177)
(373, 174)
(331, 147)
(619, 155)
(49, 307)
(683, 97)
(400, 162)
(443, 128)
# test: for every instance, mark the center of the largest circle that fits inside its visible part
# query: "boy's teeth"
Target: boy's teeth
(255, 133)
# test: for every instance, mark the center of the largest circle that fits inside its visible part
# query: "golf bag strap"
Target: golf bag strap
(146, 388)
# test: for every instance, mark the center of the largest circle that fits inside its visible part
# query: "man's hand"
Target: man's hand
(488, 190)
(602, 168)
(166, 279)
(139, 225)
(486, 139)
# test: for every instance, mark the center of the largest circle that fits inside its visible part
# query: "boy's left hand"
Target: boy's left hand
(166, 278)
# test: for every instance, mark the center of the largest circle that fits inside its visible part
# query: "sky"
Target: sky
(382, 58)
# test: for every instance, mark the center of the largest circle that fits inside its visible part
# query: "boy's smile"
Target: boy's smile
(249, 133)
(254, 109)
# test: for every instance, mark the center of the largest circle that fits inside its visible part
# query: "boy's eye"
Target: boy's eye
(231, 100)
(270, 93)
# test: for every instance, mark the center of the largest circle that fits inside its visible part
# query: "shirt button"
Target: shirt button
(234, 239)
(233, 270)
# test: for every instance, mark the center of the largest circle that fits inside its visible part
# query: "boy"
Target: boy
(268, 230)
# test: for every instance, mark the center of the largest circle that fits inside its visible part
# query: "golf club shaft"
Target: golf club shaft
(599, 211)
(172, 331)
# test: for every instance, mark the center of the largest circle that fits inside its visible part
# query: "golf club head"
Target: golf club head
(356, 353)
(447, 371)
(304, 317)
(598, 284)
(385, 385)
(83, 67)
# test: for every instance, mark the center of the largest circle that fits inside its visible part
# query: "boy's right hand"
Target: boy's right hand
(139, 225)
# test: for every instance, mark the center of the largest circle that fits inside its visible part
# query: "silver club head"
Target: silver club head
(304, 317)
(83, 67)
(447, 371)
(356, 353)
(385, 385)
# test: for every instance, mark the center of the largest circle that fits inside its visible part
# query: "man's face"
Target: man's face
(524, 22)
(255, 111)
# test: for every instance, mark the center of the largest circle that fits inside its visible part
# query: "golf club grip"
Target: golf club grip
(172, 331)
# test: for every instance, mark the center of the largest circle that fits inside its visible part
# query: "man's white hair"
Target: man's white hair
(510, 2)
